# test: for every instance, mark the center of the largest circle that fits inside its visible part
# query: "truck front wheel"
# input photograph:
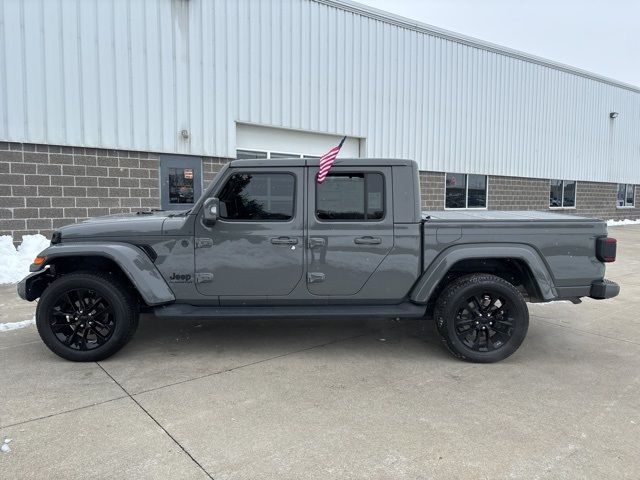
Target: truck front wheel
(86, 317)
(481, 318)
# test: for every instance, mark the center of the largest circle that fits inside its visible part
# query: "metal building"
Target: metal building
(213, 80)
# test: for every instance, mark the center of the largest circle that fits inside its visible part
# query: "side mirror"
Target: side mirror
(211, 208)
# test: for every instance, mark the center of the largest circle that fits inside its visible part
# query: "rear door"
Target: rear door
(350, 228)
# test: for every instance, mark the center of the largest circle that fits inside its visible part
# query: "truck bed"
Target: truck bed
(565, 244)
(502, 215)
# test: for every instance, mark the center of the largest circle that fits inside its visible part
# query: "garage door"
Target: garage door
(254, 141)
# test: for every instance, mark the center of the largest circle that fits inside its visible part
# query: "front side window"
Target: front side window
(626, 196)
(351, 196)
(258, 196)
(465, 191)
(562, 194)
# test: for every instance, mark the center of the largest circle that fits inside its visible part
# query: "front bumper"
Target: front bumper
(31, 286)
(604, 288)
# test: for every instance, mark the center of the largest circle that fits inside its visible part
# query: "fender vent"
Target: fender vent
(151, 253)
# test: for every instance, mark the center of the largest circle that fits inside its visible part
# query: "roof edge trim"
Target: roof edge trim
(405, 22)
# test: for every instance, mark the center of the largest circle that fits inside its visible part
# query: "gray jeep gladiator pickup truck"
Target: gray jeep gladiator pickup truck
(266, 240)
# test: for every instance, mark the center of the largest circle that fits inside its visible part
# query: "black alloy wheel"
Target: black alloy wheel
(481, 318)
(86, 316)
(483, 322)
(82, 319)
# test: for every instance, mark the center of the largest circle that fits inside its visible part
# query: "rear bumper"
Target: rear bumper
(602, 289)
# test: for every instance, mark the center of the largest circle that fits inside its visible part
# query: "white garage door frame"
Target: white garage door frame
(259, 138)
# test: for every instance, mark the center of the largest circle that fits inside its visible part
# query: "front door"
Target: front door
(256, 247)
(350, 228)
(180, 181)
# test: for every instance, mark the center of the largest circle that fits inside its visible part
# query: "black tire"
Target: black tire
(86, 317)
(481, 318)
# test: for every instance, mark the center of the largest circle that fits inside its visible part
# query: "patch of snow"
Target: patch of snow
(14, 263)
(551, 303)
(617, 223)
(5, 327)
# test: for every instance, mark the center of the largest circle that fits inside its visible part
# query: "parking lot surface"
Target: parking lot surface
(298, 399)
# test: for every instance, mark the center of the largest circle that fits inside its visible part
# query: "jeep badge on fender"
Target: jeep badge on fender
(180, 278)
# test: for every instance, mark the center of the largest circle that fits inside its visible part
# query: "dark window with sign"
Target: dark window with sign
(562, 194)
(258, 196)
(626, 196)
(181, 189)
(351, 196)
(465, 191)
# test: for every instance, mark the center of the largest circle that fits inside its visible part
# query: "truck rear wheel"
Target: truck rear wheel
(481, 318)
(86, 317)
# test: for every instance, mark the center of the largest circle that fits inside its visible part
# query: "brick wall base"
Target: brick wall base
(44, 187)
(593, 199)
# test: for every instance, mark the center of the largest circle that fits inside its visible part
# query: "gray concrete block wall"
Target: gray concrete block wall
(43, 187)
(593, 199)
(210, 167)
(432, 190)
(512, 193)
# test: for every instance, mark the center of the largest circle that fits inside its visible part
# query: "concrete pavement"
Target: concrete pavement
(291, 399)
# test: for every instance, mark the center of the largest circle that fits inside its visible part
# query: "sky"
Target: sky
(602, 37)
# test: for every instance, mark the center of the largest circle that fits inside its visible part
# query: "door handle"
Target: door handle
(367, 241)
(315, 277)
(284, 241)
(317, 242)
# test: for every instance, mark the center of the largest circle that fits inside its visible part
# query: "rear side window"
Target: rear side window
(258, 196)
(351, 196)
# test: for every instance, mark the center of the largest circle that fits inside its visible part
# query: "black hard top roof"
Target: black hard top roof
(313, 162)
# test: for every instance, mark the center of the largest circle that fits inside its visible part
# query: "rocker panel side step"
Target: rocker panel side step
(404, 310)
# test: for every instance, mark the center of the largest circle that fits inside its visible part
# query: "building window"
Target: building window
(181, 186)
(562, 194)
(250, 154)
(626, 196)
(465, 191)
(257, 154)
(258, 196)
(180, 181)
(351, 196)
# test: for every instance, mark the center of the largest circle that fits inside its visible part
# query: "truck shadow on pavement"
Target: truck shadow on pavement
(216, 337)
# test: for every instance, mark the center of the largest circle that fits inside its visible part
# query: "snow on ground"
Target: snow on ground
(5, 446)
(4, 327)
(14, 263)
(616, 223)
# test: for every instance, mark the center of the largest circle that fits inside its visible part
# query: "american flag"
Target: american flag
(326, 161)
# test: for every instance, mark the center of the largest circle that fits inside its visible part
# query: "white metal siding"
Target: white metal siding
(132, 74)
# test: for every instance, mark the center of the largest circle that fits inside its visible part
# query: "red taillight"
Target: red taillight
(606, 249)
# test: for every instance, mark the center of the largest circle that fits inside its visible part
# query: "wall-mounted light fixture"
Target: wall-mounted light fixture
(185, 133)
(613, 114)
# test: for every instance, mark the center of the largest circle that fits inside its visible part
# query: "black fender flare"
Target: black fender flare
(132, 260)
(431, 277)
